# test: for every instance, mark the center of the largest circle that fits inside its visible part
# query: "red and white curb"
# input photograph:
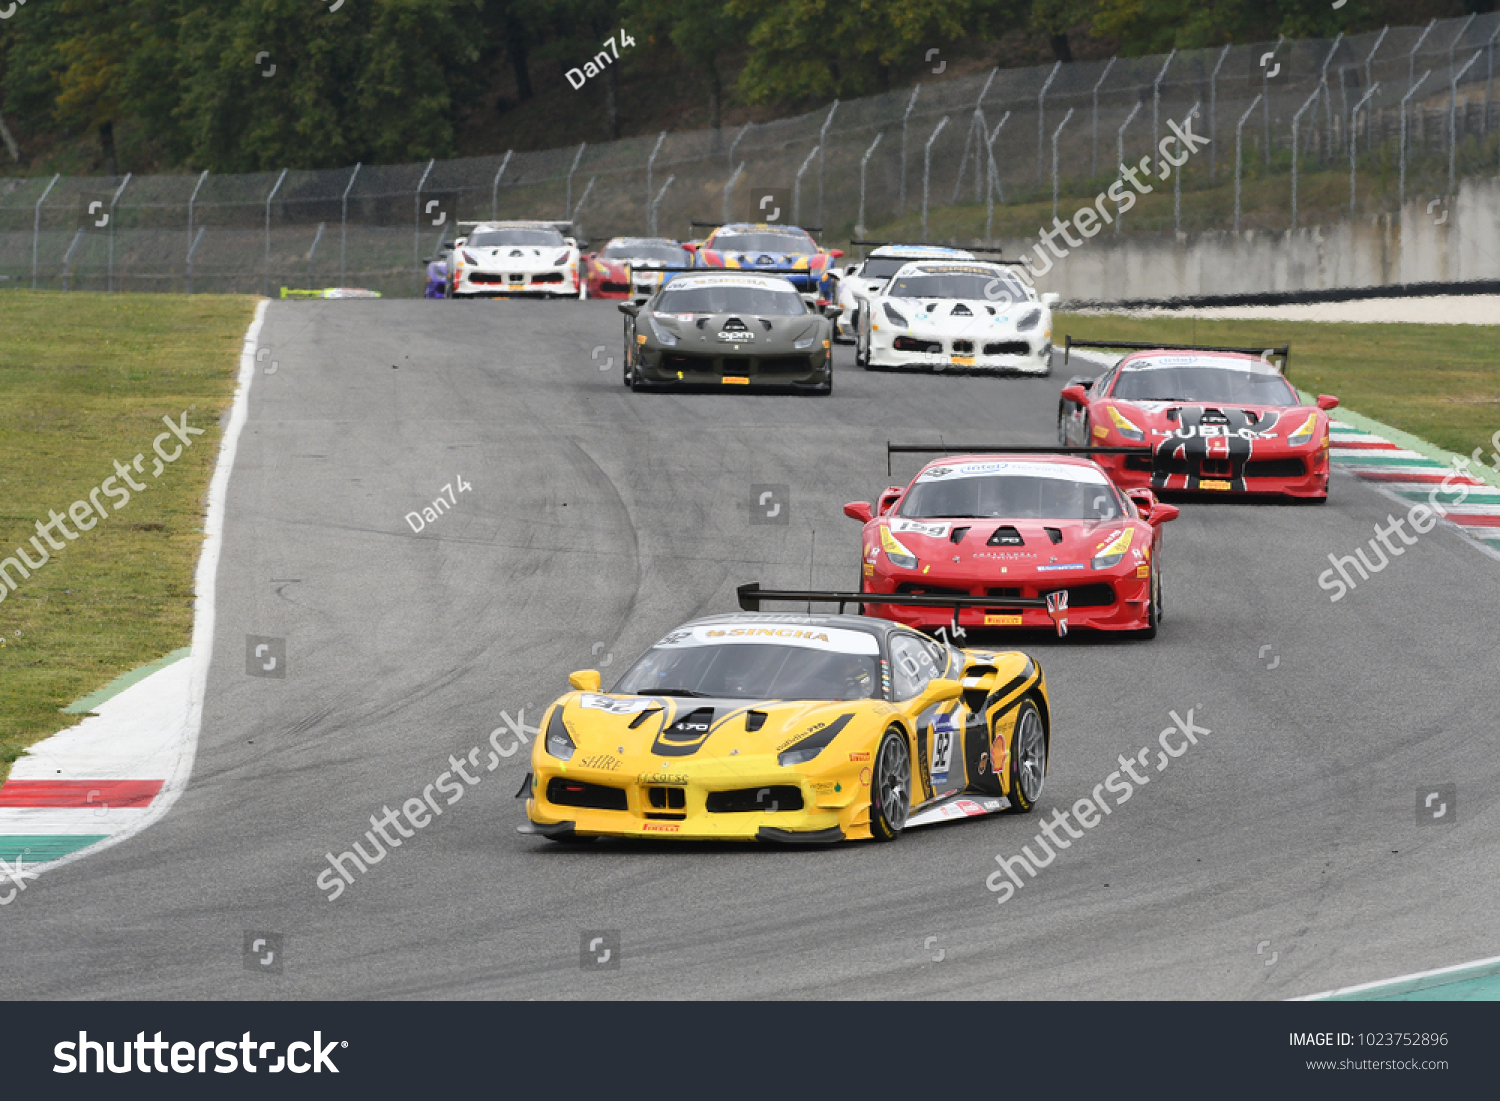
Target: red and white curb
(1412, 476)
(121, 769)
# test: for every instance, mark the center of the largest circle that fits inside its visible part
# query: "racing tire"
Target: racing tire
(1028, 758)
(629, 348)
(890, 786)
(1153, 608)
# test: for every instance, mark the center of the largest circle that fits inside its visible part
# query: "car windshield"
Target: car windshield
(991, 288)
(752, 671)
(1221, 385)
(763, 301)
(1011, 497)
(666, 254)
(494, 238)
(799, 243)
(883, 267)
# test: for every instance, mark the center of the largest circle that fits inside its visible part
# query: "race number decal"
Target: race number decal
(944, 735)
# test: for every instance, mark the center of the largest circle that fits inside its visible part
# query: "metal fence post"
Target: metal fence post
(976, 121)
(863, 162)
(1401, 157)
(1120, 154)
(650, 164)
(1177, 178)
(311, 252)
(192, 199)
(416, 224)
(1265, 90)
(1411, 58)
(1239, 131)
(495, 186)
(1041, 115)
(1055, 134)
(112, 203)
(1328, 96)
(36, 226)
(1094, 164)
(732, 145)
(822, 155)
(1453, 113)
(657, 202)
(1213, 114)
(1352, 116)
(1156, 98)
(993, 173)
(344, 224)
(927, 168)
(583, 199)
(68, 260)
(1296, 122)
(901, 205)
(280, 179)
(1371, 57)
(729, 191)
(576, 158)
(193, 248)
(797, 186)
(1489, 78)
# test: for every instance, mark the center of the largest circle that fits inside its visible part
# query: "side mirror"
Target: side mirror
(858, 510)
(690, 246)
(586, 680)
(1327, 402)
(939, 690)
(1051, 299)
(448, 244)
(833, 311)
(851, 269)
(631, 308)
(1162, 513)
(836, 253)
(1076, 394)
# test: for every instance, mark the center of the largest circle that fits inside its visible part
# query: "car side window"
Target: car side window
(914, 664)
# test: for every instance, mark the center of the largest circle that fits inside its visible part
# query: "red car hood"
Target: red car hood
(1263, 427)
(1024, 548)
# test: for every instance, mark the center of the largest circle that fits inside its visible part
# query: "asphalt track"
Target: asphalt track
(597, 520)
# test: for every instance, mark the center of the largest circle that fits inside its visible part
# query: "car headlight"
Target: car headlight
(896, 551)
(896, 316)
(1111, 554)
(805, 343)
(666, 336)
(560, 259)
(470, 259)
(558, 743)
(1303, 434)
(1030, 321)
(1123, 426)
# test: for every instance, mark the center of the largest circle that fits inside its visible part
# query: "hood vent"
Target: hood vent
(766, 323)
(961, 310)
(643, 716)
(1006, 536)
(932, 307)
(754, 720)
(957, 535)
(734, 325)
(1055, 534)
(685, 736)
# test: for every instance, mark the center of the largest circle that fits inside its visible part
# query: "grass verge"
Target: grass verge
(1438, 382)
(86, 380)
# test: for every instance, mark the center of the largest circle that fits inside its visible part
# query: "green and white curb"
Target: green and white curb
(1465, 982)
(121, 769)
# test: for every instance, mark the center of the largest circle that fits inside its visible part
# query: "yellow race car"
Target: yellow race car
(792, 728)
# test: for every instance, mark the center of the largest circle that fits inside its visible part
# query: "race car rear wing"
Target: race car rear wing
(1056, 603)
(924, 244)
(1284, 352)
(985, 449)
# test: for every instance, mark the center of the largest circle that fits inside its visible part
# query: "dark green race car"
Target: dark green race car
(728, 329)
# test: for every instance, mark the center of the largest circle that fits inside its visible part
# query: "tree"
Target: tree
(701, 31)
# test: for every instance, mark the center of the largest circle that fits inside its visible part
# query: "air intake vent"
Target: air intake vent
(1055, 534)
(961, 310)
(754, 720)
(780, 797)
(563, 792)
(1006, 536)
(957, 535)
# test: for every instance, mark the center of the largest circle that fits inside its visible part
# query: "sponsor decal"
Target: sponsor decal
(593, 702)
(670, 779)
(1209, 431)
(735, 336)
(937, 472)
(859, 756)
(864, 777)
(798, 737)
(933, 531)
(969, 807)
(984, 763)
(662, 827)
(1143, 570)
(869, 570)
(1002, 621)
(1066, 472)
(944, 735)
(893, 545)
(834, 639)
(1100, 431)
(602, 761)
(828, 785)
(1214, 483)
(962, 361)
(1061, 566)
(735, 380)
(1004, 556)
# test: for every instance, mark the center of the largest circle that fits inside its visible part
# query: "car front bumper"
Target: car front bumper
(799, 371)
(1118, 599)
(1287, 473)
(1017, 354)
(549, 282)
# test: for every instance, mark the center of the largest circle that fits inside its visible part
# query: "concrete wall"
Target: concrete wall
(1456, 241)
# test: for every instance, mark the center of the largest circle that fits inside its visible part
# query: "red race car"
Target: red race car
(631, 267)
(1193, 417)
(1041, 530)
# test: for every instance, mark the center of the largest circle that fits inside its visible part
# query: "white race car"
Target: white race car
(514, 258)
(948, 315)
(872, 273)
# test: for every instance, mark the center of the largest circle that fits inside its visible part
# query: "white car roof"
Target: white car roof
(887, 251)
